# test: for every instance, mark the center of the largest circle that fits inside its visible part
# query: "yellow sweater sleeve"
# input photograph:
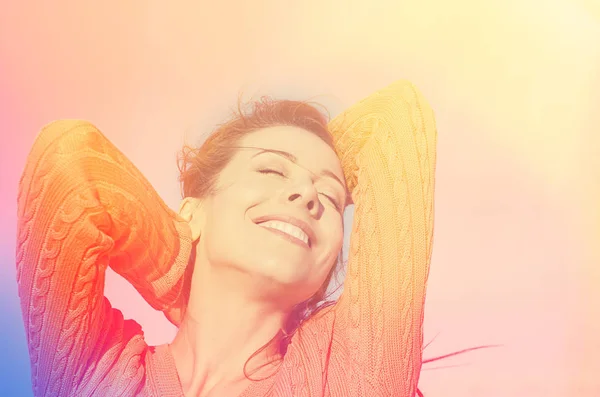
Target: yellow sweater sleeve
(387, 145)
(82, 206)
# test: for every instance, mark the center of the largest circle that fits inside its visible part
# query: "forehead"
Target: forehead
(312, 152)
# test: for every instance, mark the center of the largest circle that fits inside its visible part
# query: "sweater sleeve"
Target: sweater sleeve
(387, 144)
(82, 206)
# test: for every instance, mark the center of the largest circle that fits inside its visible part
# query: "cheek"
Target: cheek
(335, 235)
(218, 237)
(225, 226)
(249, 192)
(230, 235)
(335, 239)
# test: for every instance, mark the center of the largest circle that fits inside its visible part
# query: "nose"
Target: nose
(307, 197)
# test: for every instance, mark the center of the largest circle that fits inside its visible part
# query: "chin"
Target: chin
(284, 280)
(284, 273)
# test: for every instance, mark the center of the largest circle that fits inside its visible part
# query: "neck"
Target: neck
(222, 328)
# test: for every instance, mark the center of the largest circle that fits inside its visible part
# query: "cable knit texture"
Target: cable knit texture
(83, 206)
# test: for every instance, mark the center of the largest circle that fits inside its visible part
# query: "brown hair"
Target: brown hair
(199, 169)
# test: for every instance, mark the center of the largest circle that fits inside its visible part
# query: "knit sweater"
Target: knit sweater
(83, 206)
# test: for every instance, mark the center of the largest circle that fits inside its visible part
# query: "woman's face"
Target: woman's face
(277, 214)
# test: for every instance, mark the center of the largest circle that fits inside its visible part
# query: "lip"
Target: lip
(305, 227)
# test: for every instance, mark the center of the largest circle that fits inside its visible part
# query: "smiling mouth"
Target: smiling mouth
(284, 229)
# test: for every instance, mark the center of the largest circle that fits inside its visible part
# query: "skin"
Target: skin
(247, 278)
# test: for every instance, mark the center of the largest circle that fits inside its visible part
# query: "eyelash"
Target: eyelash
(270, 171)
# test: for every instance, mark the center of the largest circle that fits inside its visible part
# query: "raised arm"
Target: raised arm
(82, 206)
(387, 146)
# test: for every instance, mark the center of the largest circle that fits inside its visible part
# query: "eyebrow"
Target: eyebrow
(294, 160)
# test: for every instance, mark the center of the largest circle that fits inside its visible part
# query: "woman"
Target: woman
(243, 268)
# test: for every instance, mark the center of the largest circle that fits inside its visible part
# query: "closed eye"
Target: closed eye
(331, 199)
(270, 171)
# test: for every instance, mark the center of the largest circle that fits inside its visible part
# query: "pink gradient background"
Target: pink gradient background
(516, 90)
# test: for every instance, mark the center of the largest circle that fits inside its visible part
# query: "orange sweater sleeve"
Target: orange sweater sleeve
(82, 206)
(386, 143)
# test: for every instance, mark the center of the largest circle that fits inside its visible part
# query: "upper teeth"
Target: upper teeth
(287, 228)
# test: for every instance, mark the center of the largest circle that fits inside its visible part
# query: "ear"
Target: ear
(192, 210)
